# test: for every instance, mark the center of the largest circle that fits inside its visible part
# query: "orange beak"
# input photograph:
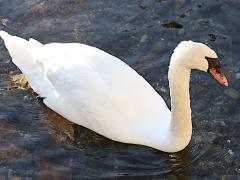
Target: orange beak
(219, 76)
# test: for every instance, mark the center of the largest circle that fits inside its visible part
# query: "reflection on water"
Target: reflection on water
(35, 142)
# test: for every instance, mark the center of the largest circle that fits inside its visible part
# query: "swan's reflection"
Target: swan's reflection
(127, 159)
(65, 131)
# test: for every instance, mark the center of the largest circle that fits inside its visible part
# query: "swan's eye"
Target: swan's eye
(214, 63)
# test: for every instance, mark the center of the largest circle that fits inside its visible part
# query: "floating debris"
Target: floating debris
(172, 24)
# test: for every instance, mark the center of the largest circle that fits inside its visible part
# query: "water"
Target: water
(37, 143)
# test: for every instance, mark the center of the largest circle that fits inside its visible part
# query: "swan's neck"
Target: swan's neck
(181, 124)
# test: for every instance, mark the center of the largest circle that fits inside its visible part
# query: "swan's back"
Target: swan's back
(91, 87)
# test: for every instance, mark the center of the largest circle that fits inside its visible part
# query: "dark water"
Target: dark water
(37, 143)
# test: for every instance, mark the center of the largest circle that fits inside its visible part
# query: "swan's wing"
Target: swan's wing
(91, 88)
(90, 80)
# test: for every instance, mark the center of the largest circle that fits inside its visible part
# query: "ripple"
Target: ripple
(38, 143)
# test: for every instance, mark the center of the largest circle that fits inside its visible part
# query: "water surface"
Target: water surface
(35, 142)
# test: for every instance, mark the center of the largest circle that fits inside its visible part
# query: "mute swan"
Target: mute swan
(99, 91)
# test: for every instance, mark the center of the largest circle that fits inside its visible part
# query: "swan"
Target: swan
(99, 91)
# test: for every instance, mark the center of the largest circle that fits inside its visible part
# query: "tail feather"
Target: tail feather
(18, 49)
(21, 52)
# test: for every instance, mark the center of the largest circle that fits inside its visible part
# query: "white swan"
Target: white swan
(97, 90)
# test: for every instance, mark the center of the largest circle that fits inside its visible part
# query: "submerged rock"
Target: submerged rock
(172, 24)
(11, 152)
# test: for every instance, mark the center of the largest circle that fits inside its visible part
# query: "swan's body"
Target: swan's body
(97, 90)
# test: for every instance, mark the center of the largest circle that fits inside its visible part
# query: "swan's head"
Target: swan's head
(193, 55)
